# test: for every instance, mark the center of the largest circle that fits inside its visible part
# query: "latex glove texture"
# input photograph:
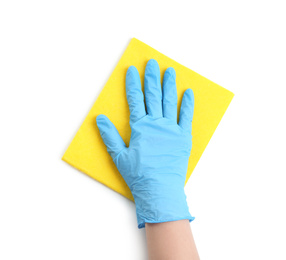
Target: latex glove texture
(154, 165)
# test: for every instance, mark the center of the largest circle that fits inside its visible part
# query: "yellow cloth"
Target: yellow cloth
(87, 151)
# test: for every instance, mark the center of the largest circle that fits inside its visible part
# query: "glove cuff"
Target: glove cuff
(165, 202)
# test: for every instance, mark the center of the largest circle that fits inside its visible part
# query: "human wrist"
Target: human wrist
(160, 199)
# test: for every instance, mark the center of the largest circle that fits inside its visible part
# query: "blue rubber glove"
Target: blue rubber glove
(154, 165)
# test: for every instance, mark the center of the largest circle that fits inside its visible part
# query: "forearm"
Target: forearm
(171, 241)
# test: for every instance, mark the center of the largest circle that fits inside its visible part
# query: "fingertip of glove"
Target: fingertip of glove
(152, 62)
(100, 120)
(190, 94)
(131, 69)
(170, 72)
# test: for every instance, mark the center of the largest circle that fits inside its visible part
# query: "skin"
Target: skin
(171, 241)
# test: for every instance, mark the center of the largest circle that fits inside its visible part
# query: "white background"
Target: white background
(55, 57)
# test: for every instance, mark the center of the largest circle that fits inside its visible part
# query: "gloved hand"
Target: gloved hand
(154, 165)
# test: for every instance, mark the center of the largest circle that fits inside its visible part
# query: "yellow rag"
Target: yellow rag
(87, 151)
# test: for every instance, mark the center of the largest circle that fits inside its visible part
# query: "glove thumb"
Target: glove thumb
(110, 136)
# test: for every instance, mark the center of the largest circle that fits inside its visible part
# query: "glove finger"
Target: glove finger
(170, 95)
(187, 110)
(110, 136)
(152, 89)
(134, 94)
